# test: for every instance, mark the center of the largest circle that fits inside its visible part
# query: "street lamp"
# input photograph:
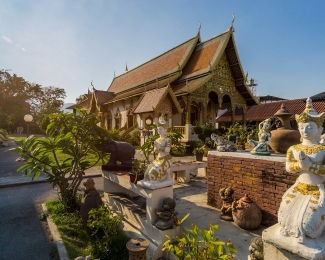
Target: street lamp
(28, 118)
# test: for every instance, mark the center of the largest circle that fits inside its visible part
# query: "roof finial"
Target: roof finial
(233, 19)
(126, 67)
(232, 22)
(199, 26)
(114, 74)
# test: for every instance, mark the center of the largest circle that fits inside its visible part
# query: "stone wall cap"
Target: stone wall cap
(248, 155)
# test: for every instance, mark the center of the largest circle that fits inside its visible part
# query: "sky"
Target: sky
(71, 43)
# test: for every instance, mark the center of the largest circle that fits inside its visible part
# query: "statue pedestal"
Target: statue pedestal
(277, 246)
(154, 193)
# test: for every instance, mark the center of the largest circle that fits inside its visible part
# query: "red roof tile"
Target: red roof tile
(267, 110)
(204, 55)
(149, 101)
(169, 62)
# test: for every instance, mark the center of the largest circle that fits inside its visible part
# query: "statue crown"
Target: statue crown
(310, 115)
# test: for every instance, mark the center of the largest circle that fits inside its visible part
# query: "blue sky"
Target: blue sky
(69, 43)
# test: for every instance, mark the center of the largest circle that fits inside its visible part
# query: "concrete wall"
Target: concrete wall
(263, 178)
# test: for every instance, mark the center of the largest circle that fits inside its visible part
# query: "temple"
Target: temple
(188, 84)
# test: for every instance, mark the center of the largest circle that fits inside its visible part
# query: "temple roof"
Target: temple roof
(82, 104)
(153, 99)
(266, 110)
(162, 66)
(204, 60)
(319, 96)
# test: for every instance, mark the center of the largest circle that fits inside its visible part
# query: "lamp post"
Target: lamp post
(28, 118)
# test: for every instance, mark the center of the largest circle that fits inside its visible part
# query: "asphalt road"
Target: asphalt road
(22, 235)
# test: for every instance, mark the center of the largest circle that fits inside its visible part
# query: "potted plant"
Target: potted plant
(198, 152)
(137, 171)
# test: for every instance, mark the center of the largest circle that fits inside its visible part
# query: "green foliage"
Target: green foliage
(102, 219)
(138, 168)
(197, 244)
(135, 138)
(241, 131)
(114, 134)
(148, 147)
(198, 130)
(176, 137)
(19, 97)
(78, 242)
(75, 137)
(198, 150)
(4, 135)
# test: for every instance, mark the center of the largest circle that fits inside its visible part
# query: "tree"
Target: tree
(74, 138)
(80, 98)
(49, 102)
(19, 97)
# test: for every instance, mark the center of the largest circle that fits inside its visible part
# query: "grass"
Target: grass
(77, 241)
(61, 156)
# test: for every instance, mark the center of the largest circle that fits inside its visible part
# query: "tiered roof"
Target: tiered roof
(185, 67)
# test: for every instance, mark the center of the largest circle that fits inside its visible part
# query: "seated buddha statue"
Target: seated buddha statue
(302, 209)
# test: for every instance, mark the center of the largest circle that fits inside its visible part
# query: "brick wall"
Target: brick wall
(265, 181)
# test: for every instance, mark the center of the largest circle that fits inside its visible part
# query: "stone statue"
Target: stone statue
(264, 137)
(121, 152)
(226, 195)
(222, 144)
(159, 169)
(302, 210)
(167, 215)
(90, 200)
(256, 249)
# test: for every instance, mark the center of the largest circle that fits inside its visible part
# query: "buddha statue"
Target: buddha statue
(302, 209)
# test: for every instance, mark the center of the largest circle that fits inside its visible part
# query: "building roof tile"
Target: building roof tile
(163, 65)
(266, 110)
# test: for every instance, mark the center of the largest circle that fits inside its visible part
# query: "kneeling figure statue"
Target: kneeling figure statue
(302, 210)
(159, 169)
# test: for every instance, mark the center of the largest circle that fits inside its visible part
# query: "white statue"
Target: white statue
(302, 210)
(159, 169)
(264, 138)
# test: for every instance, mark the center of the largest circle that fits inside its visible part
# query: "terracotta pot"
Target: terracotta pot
(282, 139)
(284, 136)
(246, 213)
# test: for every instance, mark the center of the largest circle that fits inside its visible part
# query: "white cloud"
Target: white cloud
(6, 39)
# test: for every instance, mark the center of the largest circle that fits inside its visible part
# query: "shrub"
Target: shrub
(135, 138)
(197, 243)
(104, 226)
(75, 137)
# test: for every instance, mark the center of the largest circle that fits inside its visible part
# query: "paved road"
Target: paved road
(22, 235)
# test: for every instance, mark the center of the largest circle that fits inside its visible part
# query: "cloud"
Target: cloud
(6, 39)
(23, 49)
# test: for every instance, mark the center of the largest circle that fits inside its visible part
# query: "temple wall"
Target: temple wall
(263, 178)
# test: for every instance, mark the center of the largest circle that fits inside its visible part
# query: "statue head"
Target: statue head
(310, 124)
(162, 125)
